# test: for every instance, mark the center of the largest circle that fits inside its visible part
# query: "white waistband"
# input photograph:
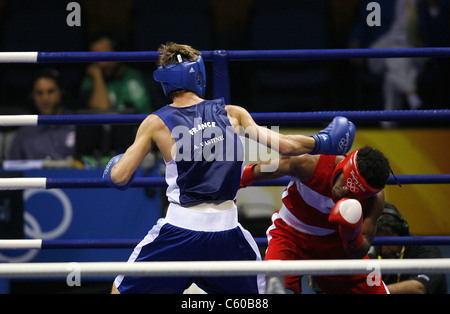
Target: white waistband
(295, 223)
(208, 219)
(209, 206)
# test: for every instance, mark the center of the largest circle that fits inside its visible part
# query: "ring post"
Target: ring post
(221, 77)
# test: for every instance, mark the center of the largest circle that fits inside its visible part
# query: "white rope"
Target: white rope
(19, 57)
(20, 244)
(22, 183)
(18, 120)
(225, 268)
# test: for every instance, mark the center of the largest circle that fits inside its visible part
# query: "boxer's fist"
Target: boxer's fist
(347, 213)
(247, 178)
(107, 174)
(336, 139)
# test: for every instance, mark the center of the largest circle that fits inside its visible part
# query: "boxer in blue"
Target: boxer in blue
(199, 141)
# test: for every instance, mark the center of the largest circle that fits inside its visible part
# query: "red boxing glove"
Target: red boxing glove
(247, 178)
(347, 213)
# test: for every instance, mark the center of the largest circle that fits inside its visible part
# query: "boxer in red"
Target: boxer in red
(329, 211)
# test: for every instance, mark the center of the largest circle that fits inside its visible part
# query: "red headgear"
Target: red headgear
(353, 179)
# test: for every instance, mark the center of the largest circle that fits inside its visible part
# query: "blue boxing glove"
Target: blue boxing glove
(336, 139)
(107, 174)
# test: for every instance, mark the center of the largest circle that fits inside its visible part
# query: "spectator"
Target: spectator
(391, 223)
(403, 24)
(113, 85)
(56, 142)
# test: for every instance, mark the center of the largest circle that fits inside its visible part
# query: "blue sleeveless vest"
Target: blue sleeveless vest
(208, 162)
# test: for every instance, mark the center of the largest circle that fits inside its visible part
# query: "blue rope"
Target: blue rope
(412, 240)
(65, 183)
(269, 117)
(403, 179)
(260, 241)
(293, 54)
(91, 119)
(70, 183)
(355, 116)
(314, 54)
(88, 56)
(90, 244)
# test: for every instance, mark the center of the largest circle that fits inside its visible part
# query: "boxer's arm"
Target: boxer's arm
(407, 287)
(372, 209)
(347, 214)
(281, 166)
(107, 175)
(336, 139)
(357, 223)
(124, 169)
(286, 145)
(301, 167)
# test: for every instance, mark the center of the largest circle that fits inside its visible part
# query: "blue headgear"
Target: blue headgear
(187, 75)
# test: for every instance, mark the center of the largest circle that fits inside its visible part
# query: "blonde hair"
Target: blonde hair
(169, 55)
(170, 51)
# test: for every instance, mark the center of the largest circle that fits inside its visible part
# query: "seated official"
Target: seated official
(392, 224)
(54, 142)
(111, 85)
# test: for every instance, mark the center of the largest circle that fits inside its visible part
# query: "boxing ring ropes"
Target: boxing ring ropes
(221, 88)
